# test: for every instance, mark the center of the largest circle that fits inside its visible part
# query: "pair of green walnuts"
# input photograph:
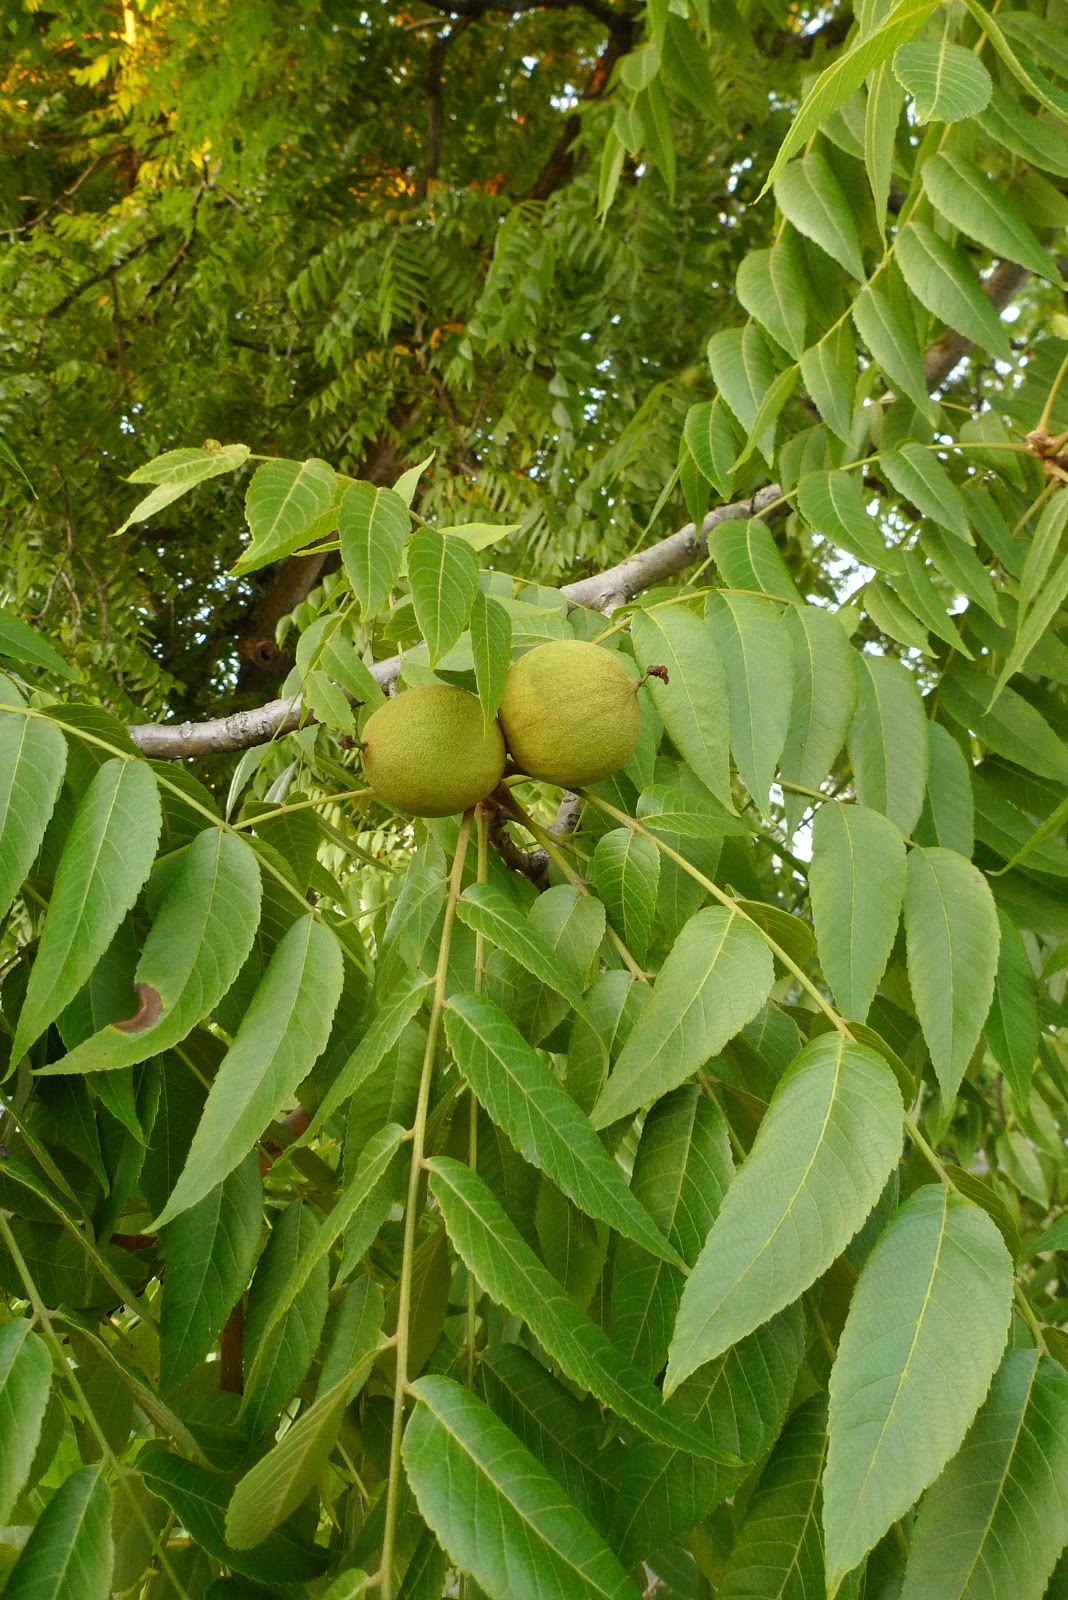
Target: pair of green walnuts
(569, 715)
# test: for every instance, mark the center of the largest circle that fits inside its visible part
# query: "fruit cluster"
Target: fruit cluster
(569, 715)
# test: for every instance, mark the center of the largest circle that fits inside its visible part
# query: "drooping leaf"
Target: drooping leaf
(196, 947)
(810, 196)
(882, 113)
(282, 503)
(825, 1147)
(542, 1121)
(693, 702)
(778, 1553)
(107, 857)
(857, 885)
(491, 647)
(888, 744)
(33, 755)
(770, 287)
(828, 372)
(283, 1032)
(944, 281)
(748, 558)
(176, 472)
(716, 977)
(1011, 1026)
(510, 1273)
(443, 573)
(489, 911)
(209, 1252)
(19, 642)
(273, 1489)
(742, 370)
(973, 202)
(626, 872)
(69, 1553)
(757, 657)
(1012, 727)
(950, 803)
(832, 503)
(279, 1349)
(952, 937)
(496, 1510)
(25, 1384)
(372, 527)
(925, 1331)
(946, 81)
(893, 344)
(199, 1497)
(824, 700)
(996, 1519)
(681, 1173)
(847, 72)
(919, 476)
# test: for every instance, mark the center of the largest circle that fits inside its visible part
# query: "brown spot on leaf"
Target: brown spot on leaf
(149, 1011)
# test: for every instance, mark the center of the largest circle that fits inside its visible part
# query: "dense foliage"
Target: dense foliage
(660, 1191)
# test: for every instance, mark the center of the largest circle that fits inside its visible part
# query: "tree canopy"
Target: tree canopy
(657, 1187)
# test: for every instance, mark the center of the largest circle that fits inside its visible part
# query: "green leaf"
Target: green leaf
(496, 1510)
(33, 755)
(1011, 1026)
(287, 1307)
(693, 702)
(892, 616)
(565, 1434)
(828, 372)
(924, 1334)
(951, 934)
(882, 113)
(757, 657)
(962, 569)
(524, 1099)
(652, 110)
(408, 481)
(846, 74)
(996, 1519)
(920, 477)
(761, 432)
(857, 885)
(10, 459)
(972, 202)
(1012, 727)
(25, 645)
(824, 700)
(892, 342)
(771, 288)
(488, 910)
(1035, 627)
(491, 648)
(1007, 123)
(950, 804)
(176, 472)
(282, 1034)
(1027, 74)
(827, 1144)
(943, 279)
(209, 1252)
(709, 435)
(917, 589)
(106, 859)
(389, 1022)
(443, 573)
(372, 527)
(741, 1399)
(717, 976)
(888, 744)
(25, 1385)
(779, 1549)
(511, 1274)
(278, 1483)
(748, 558)
(832, 503)
(626, 871)
(1042, 551)
(282, 503)
(681, 1173)
(809, 196)
(69, 1554)
(196, 947)
(946, 82)
(692, 814)
(742, 370)
(198, 1497)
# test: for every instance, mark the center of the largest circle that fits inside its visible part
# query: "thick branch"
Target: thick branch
(601, 592)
